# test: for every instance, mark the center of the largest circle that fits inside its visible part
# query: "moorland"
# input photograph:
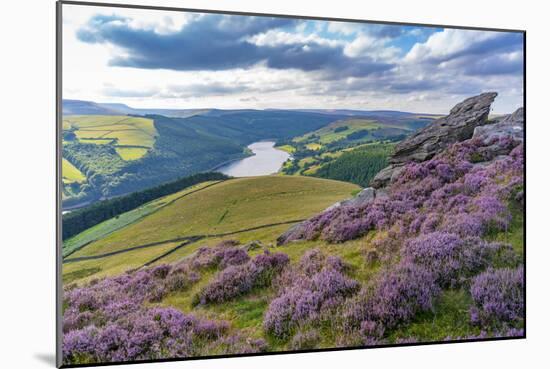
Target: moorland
(382, 228)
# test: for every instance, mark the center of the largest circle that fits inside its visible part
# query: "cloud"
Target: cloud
(167, 60)
(499, 64)
(202, 90)
(118, 92)
(344, 28)
(454, 43)
(373, 47)
(208, 43)
(215, 42)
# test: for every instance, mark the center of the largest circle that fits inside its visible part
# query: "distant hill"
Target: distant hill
(81, 107)
(366, 113)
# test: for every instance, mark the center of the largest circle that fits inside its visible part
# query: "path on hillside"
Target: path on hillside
(186, 240)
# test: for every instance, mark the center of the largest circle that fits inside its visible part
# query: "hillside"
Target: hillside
(236, 205)
(435, 251)
(323, 146)
(358, 165)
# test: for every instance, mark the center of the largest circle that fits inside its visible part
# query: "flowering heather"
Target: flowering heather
(109, 320)
(452, 258)
(395, 297)
(113, 297)
(498, 297)
(318, 287)
(147, 334)
(238, 280)
(222, 255)
(305, 340)
(507, 332)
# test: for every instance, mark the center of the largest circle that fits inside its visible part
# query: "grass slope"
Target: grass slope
(102, 229)
(70, 173)
(230, 206)
(331, 132)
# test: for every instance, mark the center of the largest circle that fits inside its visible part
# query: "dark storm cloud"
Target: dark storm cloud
(319, 57)
(216, 42)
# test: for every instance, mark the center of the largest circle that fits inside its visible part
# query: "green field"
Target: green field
(314, 146)
(97, 141)
(121, 131)
(327, 134)
(288, 148)
(70, 173)
(229, 206)
(131, 153)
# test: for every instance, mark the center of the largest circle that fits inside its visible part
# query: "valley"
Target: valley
(119, 150)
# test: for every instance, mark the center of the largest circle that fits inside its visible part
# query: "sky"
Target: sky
(167, 59)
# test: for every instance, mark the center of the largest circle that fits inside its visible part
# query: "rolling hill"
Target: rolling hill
(253, 208)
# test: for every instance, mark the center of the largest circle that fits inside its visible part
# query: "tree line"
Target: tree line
(358, 166)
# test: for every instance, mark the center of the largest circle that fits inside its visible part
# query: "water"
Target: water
(266, 160)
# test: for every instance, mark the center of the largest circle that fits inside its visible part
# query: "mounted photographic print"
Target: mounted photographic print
(248, 184)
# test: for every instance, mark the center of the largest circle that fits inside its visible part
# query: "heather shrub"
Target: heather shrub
(317, 288)
(147, 334)
(221, 256)
(492, 212)
(452, 258)
(106, 320)
(498, 297)
(181, 279)
(238, 280)
(109, 320)
(462, 224)
(305, 340)
(234, 344)
(394, 298)
(121, 294)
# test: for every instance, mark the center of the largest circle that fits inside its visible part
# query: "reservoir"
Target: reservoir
(266, 160)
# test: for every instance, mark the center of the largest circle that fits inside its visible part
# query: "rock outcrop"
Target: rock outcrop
(459, 125)
(362, 198)
(293, 233)
(510, 126)
(253, 245)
